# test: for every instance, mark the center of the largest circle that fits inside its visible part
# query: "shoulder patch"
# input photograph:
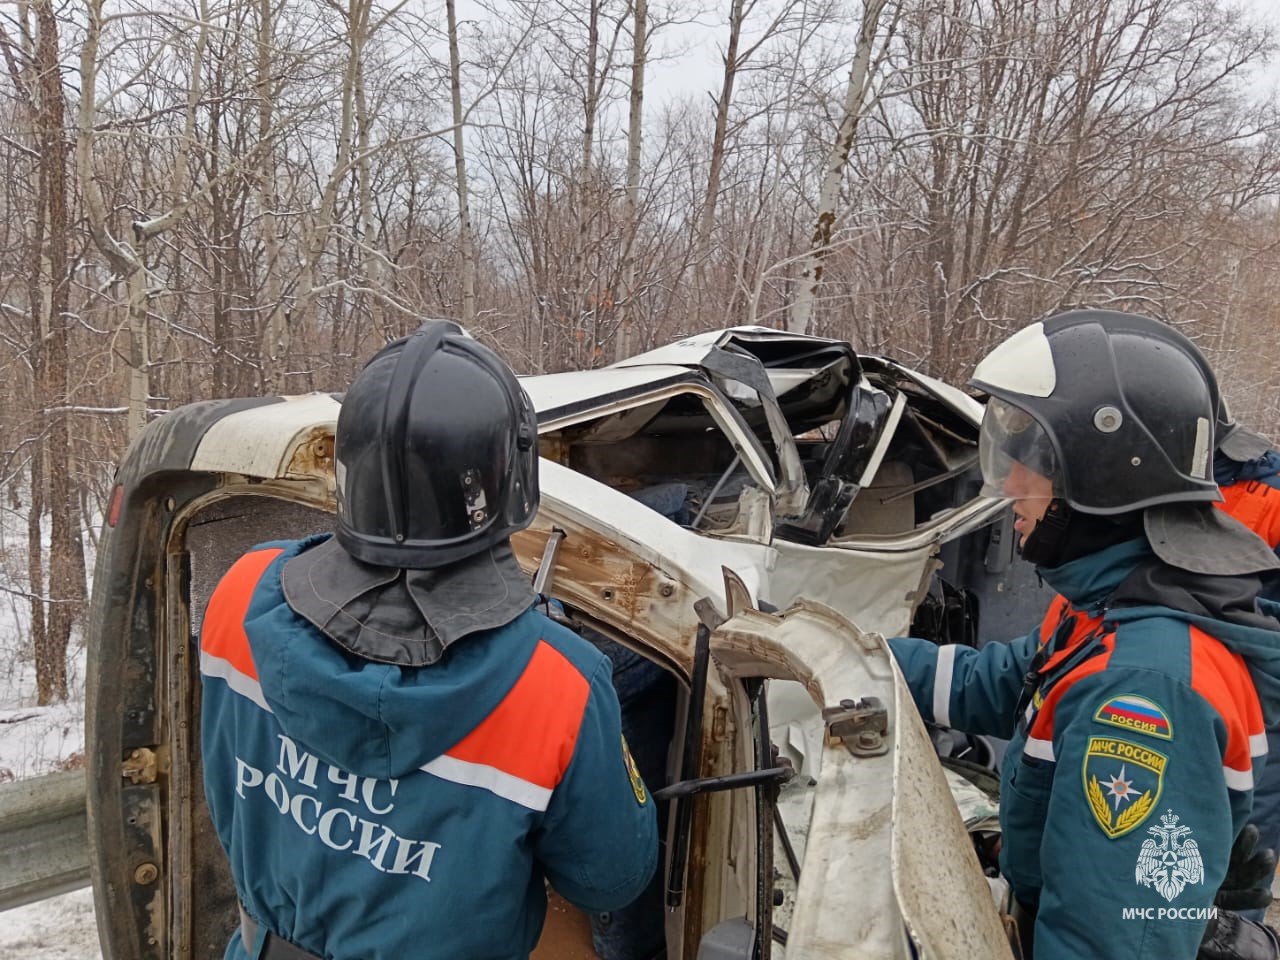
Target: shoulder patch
(1136, 713)
(637, 783)
(1122, 783)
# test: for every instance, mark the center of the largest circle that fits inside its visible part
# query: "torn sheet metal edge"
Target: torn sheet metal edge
(945, 898)
(850, 831)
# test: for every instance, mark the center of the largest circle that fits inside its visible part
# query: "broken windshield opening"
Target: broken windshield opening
(881, 456)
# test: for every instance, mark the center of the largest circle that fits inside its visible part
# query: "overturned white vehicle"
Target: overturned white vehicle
(685, 493)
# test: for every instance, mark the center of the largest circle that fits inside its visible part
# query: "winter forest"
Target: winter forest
(214, 198)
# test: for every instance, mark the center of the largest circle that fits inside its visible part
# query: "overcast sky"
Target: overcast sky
(1269, 12)
(694, 64)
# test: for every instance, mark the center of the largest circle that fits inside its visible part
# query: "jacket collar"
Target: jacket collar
(1089, 580)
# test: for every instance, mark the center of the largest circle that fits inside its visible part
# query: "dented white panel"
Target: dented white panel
(876, 588)
(689, 352)
(260, 442)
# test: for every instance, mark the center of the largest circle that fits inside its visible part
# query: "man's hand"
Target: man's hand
(1247, 885)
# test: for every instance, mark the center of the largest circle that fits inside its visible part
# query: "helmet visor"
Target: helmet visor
(1017, 457)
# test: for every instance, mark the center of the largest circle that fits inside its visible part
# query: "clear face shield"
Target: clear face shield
(1017, 458)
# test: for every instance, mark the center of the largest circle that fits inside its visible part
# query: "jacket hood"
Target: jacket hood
(1130, 582)
(377, 720)
(1227, 471)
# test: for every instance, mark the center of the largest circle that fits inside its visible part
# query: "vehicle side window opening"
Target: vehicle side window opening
(669, 455)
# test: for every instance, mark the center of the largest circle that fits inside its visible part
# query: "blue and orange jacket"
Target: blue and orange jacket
(379, 812)
(1251, 493)
(1136, 730)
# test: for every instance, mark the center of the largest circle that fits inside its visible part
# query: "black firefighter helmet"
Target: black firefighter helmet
(1116, 409)
(436, 452)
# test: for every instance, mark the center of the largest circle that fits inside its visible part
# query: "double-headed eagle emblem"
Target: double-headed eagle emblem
(1173, 862)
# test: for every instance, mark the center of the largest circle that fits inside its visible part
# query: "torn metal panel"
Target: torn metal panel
(791, 359)
(945, 899)
(840, 911)
(869, 809)
(875, 588)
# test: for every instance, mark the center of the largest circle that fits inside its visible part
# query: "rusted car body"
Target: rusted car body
(794, 477)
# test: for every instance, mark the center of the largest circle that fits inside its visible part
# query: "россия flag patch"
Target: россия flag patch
(1136, 714)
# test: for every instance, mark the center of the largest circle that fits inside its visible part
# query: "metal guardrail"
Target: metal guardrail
(44, 838)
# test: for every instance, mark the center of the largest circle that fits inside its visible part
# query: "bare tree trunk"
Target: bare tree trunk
(591, 100)
(366, 260)
(460, 168)
(582, 194)
(706, 218)
(268, 199)
(624, 346)
(40, 303)
(316, 239)
(802, 306)
(51, 462)
(128, 260)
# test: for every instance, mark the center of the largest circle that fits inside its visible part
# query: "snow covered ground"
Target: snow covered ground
(60, 928)
(34, 741)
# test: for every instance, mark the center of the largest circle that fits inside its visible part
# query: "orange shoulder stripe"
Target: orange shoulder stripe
(1042, 726)
(1052, 617)
(1222, 678)
(222, 633)
(532, 733)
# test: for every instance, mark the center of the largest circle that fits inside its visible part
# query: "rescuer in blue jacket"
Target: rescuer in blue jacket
(1247, 470)
(398, 750)
(1135, 711)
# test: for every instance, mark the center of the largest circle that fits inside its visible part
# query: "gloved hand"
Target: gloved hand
(1247, 885)
(1232, 937)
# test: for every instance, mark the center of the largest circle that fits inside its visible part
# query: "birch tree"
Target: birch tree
(465, 248)
(127, 254)
(860, 78)
(631, 208)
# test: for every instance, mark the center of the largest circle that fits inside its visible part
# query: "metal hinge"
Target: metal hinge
(862, 726)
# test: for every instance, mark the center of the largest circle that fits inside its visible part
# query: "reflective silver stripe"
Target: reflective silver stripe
(246, 686)
(942, 685)
(1040, 749)
(496, 781)
(1258, 745)
(1237, 779)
